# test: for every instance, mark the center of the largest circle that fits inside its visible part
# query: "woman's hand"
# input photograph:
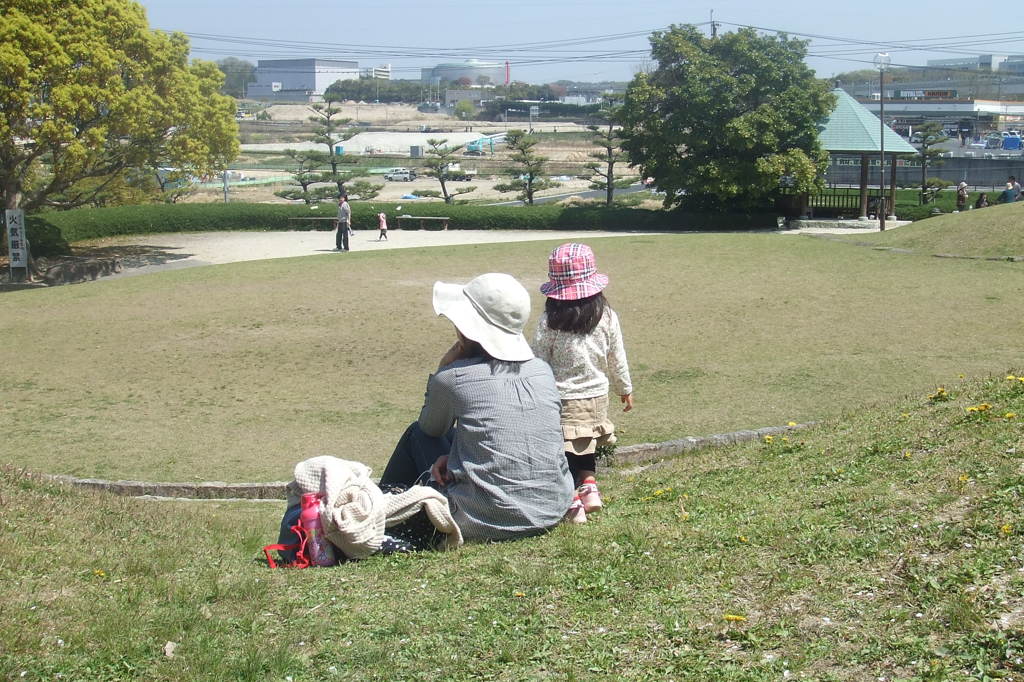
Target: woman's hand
(439, 471)
(456, 352)
(627, 400)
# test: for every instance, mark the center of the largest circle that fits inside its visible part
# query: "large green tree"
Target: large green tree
(90, 94)
(722, 120)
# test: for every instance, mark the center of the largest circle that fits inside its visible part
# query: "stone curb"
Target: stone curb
(275, 490)
(207, 490)
(649, 452)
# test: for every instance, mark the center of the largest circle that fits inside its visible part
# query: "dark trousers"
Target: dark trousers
(578, 463)
(341, 239)
(415, 453)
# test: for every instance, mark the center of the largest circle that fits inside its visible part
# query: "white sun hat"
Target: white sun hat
(491, 310)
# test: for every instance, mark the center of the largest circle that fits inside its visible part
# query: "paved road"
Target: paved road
(586, 194)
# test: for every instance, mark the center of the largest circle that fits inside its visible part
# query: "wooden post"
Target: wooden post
(892, 188)
(864, 186)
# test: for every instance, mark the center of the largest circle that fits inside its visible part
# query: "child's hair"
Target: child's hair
(576, 317)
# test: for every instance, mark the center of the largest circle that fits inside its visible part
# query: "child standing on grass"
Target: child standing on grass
(579, 336)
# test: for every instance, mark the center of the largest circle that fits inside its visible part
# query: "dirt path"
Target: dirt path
(157, 252)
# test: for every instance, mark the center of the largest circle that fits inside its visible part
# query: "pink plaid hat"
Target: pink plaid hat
(573, 273)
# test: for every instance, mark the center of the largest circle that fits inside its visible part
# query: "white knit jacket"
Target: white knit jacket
(355, 512)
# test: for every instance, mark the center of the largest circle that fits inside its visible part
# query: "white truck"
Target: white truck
(455, 173)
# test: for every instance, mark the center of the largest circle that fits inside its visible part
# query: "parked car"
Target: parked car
(400, 175)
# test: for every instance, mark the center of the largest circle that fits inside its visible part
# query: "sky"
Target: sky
(548, 40)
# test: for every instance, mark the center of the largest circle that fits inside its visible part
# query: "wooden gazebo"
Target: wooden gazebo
(852, 129)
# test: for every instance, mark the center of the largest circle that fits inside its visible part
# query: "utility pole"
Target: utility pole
(714, 26)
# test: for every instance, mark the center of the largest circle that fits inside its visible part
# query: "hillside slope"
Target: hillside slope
(993, 232)
(885, 545)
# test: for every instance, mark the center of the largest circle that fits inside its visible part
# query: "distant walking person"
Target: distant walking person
(382, 224)
(1016, 188)
(343, 223)
(961, 196)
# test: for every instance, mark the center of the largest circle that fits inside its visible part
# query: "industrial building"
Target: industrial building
(976, 116)
(982, 62)
(299, 80)
(477, 71)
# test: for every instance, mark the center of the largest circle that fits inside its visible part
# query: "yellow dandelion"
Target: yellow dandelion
(906, 455)
(735, 618)
(659, 492)
(520, 594)
(743, 538)
(1006, 528)
(963, 478)
(99, 573)
(769, 439)
(1009, 415)
(1010, 377)
(905, 414)
(790, 423)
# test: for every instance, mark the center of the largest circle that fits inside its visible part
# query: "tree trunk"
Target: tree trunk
(892, 188)
(610, 189)
(924, 174)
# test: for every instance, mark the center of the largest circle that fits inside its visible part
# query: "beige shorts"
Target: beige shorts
(585, 425)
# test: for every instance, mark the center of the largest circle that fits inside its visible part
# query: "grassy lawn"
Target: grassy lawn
(882, 545)
(996, 231)
(236, 372)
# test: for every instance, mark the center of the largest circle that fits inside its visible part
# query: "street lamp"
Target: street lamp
(882, 61)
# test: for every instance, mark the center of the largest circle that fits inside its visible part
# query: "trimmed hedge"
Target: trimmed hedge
(51, 232)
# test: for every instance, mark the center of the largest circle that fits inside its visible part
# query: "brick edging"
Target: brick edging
(215, 490)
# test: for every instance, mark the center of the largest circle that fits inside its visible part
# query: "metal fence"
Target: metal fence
(978, 173)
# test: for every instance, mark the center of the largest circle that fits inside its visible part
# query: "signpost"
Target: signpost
(534, 111)
(17, 241)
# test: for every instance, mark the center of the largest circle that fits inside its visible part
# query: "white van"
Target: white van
(400, 175)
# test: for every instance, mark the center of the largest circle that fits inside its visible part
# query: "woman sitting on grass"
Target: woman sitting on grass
(488, 435)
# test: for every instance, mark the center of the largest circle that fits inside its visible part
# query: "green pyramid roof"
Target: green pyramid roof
(852, 128)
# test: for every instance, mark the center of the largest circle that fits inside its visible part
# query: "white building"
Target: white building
(299, 80)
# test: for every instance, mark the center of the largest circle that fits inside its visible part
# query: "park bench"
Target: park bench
(424, 219)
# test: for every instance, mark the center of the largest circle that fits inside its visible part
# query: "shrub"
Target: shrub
(50, 232)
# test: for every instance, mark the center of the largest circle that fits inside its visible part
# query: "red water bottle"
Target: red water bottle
(319, 551)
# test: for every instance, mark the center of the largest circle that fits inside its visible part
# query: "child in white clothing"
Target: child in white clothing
(579, 336)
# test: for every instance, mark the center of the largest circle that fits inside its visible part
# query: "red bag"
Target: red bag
(301, 558)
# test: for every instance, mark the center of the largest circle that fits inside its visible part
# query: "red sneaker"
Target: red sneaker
(590, 497)
(576, 513)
